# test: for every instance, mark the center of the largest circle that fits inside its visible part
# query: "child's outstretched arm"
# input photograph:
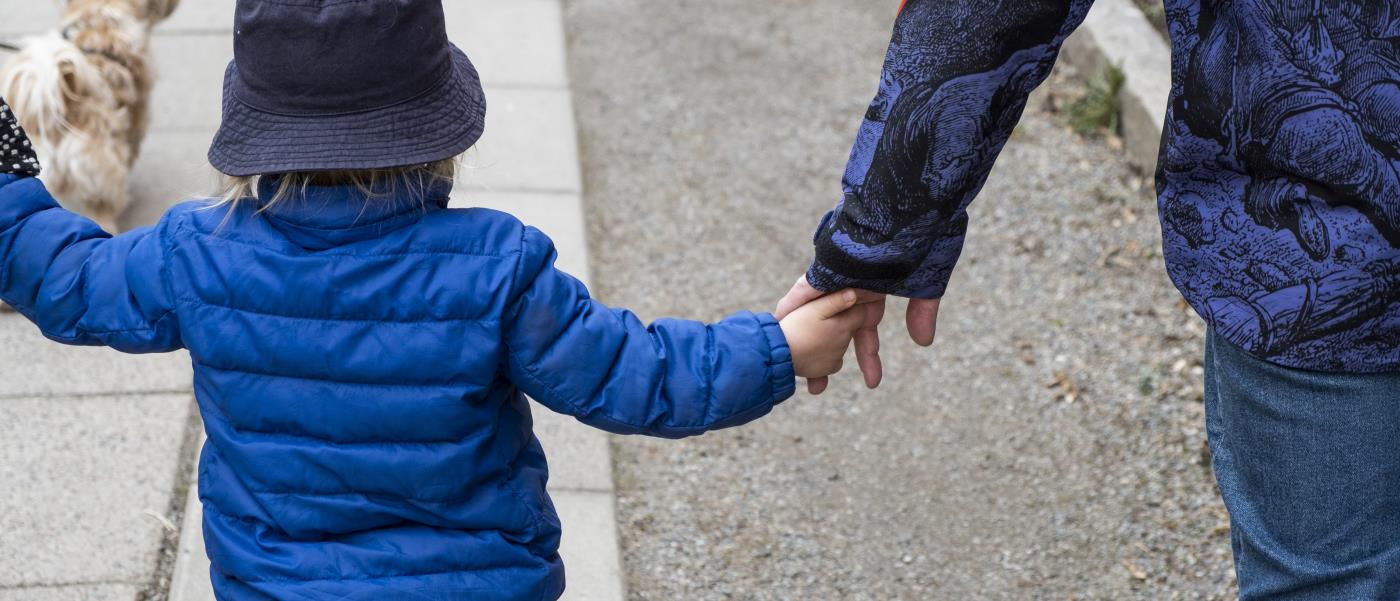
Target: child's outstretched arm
(674, 378)
(78, 283)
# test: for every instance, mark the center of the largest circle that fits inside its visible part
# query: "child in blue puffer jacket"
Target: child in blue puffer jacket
(361, 353)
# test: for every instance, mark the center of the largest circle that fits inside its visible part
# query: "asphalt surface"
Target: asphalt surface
(1050, 445)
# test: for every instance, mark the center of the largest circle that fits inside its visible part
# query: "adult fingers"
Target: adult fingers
(800, 294)
(922, 320)
(816, 386)
(867, 342)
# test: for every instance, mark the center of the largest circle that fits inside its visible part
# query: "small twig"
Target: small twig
(164, 521)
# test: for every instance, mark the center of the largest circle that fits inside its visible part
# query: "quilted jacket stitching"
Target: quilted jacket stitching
(194, 300)
(389, 385)
(415, 253)
(216, 513)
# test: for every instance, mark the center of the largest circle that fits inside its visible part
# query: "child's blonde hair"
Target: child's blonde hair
(409, 183)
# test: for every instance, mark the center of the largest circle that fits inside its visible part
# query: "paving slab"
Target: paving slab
(76, 592)
(33, 366)
(190, 580)
(189, 90)
(516, 43)
(529, 143)
(81, 474)
(199, 17)
(24, 17)
(171, 169)
(579, 459)
(590, 535)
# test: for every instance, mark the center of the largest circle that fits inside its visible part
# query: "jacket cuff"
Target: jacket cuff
(781, 377)
(22, 196)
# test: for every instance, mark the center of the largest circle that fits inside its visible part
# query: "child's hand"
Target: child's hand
(819, 333)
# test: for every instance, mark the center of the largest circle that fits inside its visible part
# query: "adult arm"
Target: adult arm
(955, 82)
(954, 85)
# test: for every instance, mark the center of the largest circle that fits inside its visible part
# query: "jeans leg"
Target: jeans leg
(1221, 462)
(1309, 469)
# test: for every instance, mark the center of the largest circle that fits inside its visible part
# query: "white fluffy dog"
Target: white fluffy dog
(81, 93)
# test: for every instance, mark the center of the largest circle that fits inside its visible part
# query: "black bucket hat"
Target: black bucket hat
(320, 85)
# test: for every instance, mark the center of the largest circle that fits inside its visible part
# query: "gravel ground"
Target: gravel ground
(1155, 12)
(1050, 445)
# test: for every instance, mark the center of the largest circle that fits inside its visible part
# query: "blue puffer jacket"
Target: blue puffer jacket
(361, 369)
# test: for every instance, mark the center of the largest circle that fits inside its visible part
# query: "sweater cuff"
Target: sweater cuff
(781, 377)
(834, 268)
(16, 152)
(929, 282)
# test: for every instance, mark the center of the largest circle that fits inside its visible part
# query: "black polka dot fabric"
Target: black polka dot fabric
(16, 152)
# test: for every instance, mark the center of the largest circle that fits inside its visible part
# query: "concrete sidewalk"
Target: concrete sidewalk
(96, 448)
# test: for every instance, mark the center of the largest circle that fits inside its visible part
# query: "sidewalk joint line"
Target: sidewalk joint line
(82, 396)
(24, 586)
(526, 87)
(465, 187)
(578, 489)
(186, 480)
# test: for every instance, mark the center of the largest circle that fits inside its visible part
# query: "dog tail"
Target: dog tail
(46, 85)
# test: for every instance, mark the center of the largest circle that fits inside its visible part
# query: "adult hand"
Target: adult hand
(921, 318)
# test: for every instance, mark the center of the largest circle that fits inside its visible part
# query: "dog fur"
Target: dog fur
(82, 94)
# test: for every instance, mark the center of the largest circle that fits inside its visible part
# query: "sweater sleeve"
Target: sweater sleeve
(80, 285)
(672, 378)
(955, 81)
(17, 154)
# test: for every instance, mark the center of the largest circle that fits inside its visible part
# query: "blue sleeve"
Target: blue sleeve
(79, 284)
(605, 367)
(955, 82)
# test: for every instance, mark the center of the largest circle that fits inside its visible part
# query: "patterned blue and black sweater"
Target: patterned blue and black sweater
(1278, 181)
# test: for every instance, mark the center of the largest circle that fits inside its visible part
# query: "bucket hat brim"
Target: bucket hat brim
(440, 123)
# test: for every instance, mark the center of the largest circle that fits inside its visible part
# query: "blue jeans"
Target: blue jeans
(1309, 467)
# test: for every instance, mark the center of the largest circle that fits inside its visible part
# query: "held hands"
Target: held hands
(921, 319)
(819, 332)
